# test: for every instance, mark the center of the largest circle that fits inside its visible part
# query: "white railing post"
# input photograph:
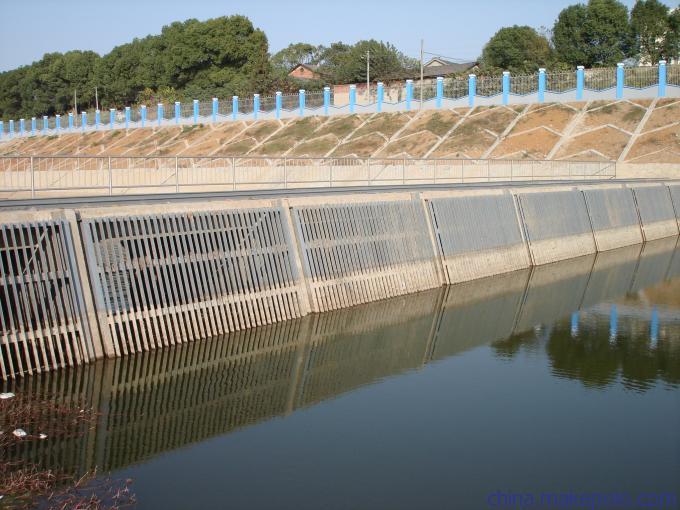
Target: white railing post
(285, 171)
(368, 170)
(32, 179)
(110, 178)
(233, 172)
(177, 174)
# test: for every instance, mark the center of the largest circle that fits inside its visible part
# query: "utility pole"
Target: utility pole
(368, 76)
(422, 45)
(75, 106)
(96, 99)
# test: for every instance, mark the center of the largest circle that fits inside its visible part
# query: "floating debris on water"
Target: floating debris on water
(19, 433)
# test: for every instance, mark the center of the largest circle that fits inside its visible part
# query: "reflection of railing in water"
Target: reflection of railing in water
(165, 399)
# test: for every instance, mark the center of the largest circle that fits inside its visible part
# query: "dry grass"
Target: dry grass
(24, 485)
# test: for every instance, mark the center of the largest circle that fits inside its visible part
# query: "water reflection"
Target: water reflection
(163, 400)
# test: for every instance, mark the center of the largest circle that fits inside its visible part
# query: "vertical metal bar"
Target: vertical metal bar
(233, 172)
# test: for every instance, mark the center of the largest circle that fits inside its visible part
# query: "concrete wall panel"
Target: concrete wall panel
(557, 225)
(614, 217)
(359, 252)
(478, 236)
(656, 211)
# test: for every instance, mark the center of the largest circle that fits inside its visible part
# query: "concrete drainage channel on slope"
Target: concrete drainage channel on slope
(80, 283)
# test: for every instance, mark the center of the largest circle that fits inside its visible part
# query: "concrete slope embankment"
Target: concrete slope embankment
(633, 131)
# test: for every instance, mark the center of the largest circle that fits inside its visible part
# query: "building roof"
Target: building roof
(310, 67)
(445, 69)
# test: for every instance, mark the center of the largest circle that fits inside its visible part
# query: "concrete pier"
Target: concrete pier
(82, 283)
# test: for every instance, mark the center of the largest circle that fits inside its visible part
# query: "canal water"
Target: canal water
(561, 380)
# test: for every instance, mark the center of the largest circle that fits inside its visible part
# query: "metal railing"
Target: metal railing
(600, 81)
(33, 176)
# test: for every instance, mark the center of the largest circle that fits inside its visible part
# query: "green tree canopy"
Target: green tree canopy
(297, 53)
(518, 49)
(596, 34)
(343, 63)
(649, 20)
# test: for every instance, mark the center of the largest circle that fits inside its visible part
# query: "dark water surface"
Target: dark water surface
(435, 400)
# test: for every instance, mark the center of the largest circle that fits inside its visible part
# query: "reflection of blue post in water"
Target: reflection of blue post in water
(613, 323)
(654, 328)
(574, 324)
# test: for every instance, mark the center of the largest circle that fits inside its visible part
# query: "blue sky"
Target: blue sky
(454, 28)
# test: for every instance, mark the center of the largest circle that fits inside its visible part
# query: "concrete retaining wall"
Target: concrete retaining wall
(79, 285)
(359, 252)
(557, 225)
(657, 215)
(675, 197)
(614, 217)
(171, 277)
(478, 236)
(44, 321)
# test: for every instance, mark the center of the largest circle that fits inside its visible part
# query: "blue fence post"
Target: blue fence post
(70, 121)
(580, 79)
(409, 94)
(654, 327)
(256, 105)
(506, 87)
(326, 100)
(662, 78)
(142, 114)
(574, 324)
(112, 117)
(619, 80)
(46, 124)
(613, 322)
(2, 129)
(352, 97)
(97, 119)
(11, 128)
(472, 89)
(195, 111)
(234, 107)
(215, 106)
(278, 104)
(159, 114)
(34, 125)
(541, 85)
(57, 122)
(22, 124)
(128, 115)
(83, 121)
(440, 91)
(380, 96)
(301, 96)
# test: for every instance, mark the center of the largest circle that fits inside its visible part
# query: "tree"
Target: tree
(298, 53)
(343, 63)
(518, 49)
(650, 23)
(672, 43)
(597, 34)
(569, 38)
